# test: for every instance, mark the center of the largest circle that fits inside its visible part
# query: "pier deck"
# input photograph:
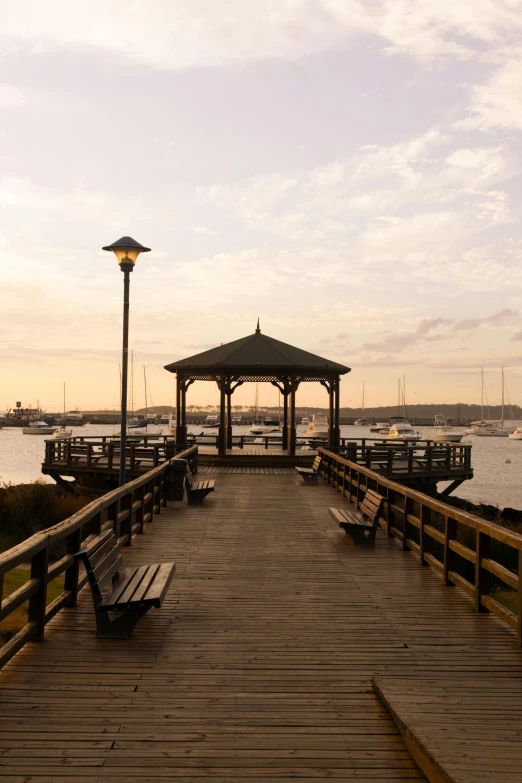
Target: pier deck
(259, 665)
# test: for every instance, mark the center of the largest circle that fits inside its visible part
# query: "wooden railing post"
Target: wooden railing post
(450, 533)
(425, 519)
(38, 601)
(519, 596)
(74, 541)
(408, 509)
(126, 524)
(482, 577)
(519, 602)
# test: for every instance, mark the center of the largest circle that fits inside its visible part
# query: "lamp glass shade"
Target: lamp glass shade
(126, 255)
(127, 250)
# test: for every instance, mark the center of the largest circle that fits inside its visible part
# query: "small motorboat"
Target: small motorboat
(401, 430)
(318, 427)
(443, 433)
(39, 428)
(382, 427)
(516, 434)
(362, 423)
(259, 428)
(63, 434)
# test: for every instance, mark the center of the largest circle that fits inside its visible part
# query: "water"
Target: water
(495, 481)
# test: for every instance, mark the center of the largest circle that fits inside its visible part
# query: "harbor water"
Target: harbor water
(496, 481)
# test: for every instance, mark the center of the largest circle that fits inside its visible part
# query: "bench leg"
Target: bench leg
(122, 626)
(312, 479)
(360, 536)
(196, 498)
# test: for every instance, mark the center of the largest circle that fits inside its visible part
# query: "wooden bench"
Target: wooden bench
(128, 591)
(197, 490)
(311, 475)
(361, 525)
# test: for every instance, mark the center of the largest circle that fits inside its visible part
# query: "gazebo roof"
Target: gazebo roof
(257, 356)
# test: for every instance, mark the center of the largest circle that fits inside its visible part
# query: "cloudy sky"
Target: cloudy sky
(348, 170)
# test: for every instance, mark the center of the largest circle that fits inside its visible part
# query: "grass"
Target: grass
(16, 621)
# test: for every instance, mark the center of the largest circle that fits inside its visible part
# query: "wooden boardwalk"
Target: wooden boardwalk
(259, 666)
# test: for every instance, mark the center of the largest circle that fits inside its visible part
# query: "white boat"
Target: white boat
(63, 434)
(73, 417)
(171, 429)
(401, 430)
(516, 434)
(443, 433)
(362, 421)
(305, 421)
(39, 428)
(212, 420)
(489, 429)
(318, 426)
(383, 427)
(259, 428)
(236, 420)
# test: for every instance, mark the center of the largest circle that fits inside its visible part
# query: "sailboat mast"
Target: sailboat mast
(362, 410)
(502, 411)
(145, 388)
(404, 392)
(482, 394)
(132, 385)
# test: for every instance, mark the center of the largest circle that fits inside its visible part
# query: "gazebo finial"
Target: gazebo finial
(258, 330)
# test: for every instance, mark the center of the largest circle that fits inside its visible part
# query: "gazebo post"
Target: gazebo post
(285, 416)
(337, 429)
(294, 383)
(331, 409)
(222, 438)
(229, 414)
(179, 412)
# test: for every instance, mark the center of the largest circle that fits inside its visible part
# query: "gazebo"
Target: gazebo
(257, 358)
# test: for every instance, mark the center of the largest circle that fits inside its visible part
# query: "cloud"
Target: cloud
(205, 33)
(498, 102)
(398, 341)
(495, 319)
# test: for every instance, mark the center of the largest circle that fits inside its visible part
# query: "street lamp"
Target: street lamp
(126, 251)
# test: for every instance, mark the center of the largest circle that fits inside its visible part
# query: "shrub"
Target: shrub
(26, 509)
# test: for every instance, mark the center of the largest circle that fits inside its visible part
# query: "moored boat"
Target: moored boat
(401, 430)
(39, 428)
(318, 426)
(443, 433)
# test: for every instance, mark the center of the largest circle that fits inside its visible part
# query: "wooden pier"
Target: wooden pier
(94, 461)
(282, 651)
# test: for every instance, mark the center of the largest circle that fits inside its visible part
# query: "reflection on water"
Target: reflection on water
(495, 481)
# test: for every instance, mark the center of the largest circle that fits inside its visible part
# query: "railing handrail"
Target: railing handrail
(125, 510)
(347, 477)
(485, 526)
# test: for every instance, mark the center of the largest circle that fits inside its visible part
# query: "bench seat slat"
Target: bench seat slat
(158, 589)
(140, 592)
(128, 580)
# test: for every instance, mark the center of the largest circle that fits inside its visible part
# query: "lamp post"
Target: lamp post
(126, 251)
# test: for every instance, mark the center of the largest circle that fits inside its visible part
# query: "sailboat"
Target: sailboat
(258, 427)
(133, 422)
(489, 429)
(63, 432)
(362, 422)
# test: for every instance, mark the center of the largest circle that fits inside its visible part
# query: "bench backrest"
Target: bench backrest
(371, 506)
(317, 463)
(102, 561)
(188, 477)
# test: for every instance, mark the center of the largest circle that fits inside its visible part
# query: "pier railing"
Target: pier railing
(125, 511)
(480, 557)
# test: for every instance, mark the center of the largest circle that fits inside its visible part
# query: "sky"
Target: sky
(348, 171)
